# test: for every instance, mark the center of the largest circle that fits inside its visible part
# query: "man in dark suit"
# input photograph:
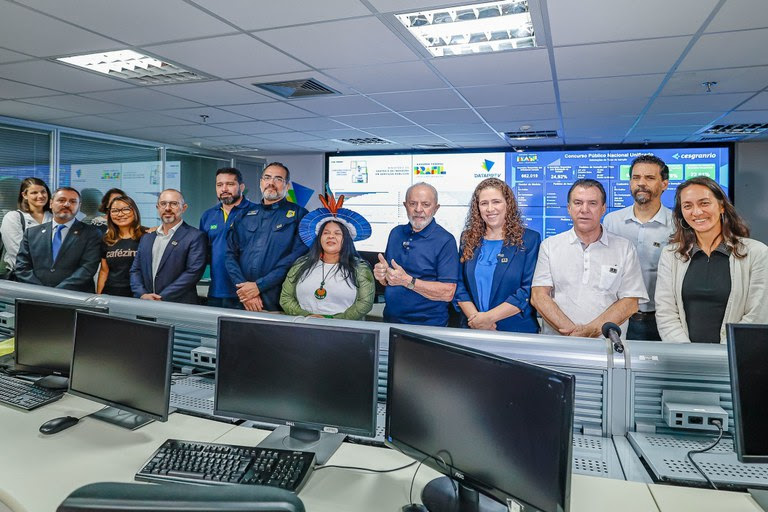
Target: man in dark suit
(170, 261)
(63, 253)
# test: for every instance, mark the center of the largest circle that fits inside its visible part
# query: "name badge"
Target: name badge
(278, 227)
(175, 242)
(252, 212)
(657, 244)
(613, 270)
(505, 260)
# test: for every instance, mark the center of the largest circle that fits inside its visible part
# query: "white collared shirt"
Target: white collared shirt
(161, 242)
(586, 282)
(649, 239)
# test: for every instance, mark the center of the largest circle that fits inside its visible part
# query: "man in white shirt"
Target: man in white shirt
(586, 276)
(648, 225)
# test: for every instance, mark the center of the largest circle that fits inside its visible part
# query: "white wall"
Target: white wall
(751, 187)
(307, 170)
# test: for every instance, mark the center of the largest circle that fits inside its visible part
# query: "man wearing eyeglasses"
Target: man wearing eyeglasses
(63, 253)
(170, 261)
(264, 242)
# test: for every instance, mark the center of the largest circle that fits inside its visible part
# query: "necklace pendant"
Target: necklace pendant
(320, 293)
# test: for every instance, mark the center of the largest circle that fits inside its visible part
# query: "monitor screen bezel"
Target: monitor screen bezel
(311, 425)
(738, 432)
(454, 472)
(19, 366)
(168, 369)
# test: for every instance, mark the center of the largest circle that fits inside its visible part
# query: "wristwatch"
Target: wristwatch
(412, 284)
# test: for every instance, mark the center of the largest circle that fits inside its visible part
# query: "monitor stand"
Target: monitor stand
(53, 382)
(121, 418)
(302, 439)
(440, 495)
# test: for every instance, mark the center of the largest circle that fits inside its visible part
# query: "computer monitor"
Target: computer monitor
(499, 429)
(321, 381)
(123, 364)
(747, 353)
(43, 338)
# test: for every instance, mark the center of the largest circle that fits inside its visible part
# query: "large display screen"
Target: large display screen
(374, 185)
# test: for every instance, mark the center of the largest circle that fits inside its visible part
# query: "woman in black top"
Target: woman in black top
(119, 246)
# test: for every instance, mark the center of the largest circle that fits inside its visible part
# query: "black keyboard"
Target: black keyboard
(25, 395)
(224, 464)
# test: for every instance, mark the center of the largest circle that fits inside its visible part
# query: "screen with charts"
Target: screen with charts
(374, 185)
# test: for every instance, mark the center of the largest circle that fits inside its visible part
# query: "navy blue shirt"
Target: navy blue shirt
(430, 255)
(212, 223)
(262, 244)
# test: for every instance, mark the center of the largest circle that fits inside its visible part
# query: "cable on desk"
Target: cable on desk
(366, 469)
(717, 441)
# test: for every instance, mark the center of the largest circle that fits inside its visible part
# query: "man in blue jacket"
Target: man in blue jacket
(170, 261)
(264, 242)
(215, 223)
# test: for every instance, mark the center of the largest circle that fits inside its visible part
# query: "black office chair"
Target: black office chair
(136, 497)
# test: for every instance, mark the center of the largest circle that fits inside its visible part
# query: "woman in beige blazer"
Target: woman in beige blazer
(712, 273)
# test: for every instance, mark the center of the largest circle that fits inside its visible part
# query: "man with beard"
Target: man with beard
(215, 223)
(648, 225)
(264, 242)
(170, 261)
(63, 253)
(421, 267)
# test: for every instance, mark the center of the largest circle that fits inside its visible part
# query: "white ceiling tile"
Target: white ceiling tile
(150, 133)
(36, 34)
(401, 76)
(267, 111)
(146, 119)
(619, 59)
(680, 119)
(751, 79)
(509, 94)
(374, 120)
(589, 21)
(201, 130)
(141, 98)
(339, 105)
(495, 68)
(309, 124)
(78, 104)
(598, 124)
(9, 56)
(620, 87)
(341, 134)
(592, 141)
(59, 76)
(458, 115)
(253, 127)
(745, 117)
(740, 15)
(13, 90)
(21, 110)
(215, 115)
(290, 137)
(727, 50)
(343, 43)
(228, 56)
(598, 108)
(759, 102)
(651, 139)
(519, 113)
(213, 93)
(702, 102)
(538, 125)
(450, 129)
(236, 139)
(249, 15)
(419, 139)
(390, 131)
(477, 137)
(666, 130)
(93, 123)
(409, 5)
(420, 100)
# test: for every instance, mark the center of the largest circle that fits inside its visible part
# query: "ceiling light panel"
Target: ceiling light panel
(133, 66)
(477, 28)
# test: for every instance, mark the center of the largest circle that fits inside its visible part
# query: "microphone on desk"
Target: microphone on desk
(612, 332)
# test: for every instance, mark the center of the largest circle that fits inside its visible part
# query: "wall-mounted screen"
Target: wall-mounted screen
(374, 185)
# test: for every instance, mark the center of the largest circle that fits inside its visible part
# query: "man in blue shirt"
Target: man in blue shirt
(263, 243)
(421, 267)
(215, 222)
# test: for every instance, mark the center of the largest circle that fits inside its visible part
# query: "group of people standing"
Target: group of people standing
(673, 275)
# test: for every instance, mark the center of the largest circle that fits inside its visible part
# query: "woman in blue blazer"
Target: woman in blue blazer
(498, 256)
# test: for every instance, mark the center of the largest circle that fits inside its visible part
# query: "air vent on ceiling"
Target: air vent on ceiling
(297, 88)
(737, 129)
(364, 141)
(234, 148)
(721, 138)
(432, 146)
(531, 134)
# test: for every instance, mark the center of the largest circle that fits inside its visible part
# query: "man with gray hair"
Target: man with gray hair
(170, 261)
(421, 266)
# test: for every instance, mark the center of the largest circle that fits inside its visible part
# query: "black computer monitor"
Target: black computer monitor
(747, 354)
(124, 364)
(499, 429)
(319, 380)
(43, 338)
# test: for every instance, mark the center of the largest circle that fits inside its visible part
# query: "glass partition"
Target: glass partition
(24, 152)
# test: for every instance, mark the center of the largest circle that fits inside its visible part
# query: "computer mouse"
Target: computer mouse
(58, 424)
(414, 507)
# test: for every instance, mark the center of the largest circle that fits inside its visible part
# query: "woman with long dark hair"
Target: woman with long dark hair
(712, 273)
(331, 280)
(119, 247)
(498, 257)
(34, 208)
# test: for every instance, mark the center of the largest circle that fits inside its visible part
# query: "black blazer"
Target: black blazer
(181, 266)
(75, 264)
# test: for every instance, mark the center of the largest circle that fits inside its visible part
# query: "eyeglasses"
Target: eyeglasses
(62, 201)
(165, 204)
(276, 179)
(117, 211)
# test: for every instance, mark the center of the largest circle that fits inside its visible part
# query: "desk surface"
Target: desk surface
(45, 469)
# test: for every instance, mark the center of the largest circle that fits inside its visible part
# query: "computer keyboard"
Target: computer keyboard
(209, 463)
(25, 395)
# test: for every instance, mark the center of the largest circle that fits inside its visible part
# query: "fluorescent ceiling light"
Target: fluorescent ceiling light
(476, 28)
(133, 66)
